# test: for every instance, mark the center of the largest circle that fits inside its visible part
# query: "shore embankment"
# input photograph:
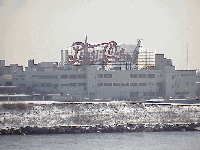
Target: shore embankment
(32, 117)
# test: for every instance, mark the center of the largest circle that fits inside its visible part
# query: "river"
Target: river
(134, 140)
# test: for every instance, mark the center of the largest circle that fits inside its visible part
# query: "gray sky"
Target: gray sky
(39, 29)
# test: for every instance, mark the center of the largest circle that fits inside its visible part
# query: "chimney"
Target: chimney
(62, 60)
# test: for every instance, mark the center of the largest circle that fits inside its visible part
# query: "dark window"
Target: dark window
(81, 84)
(35, 76)
(73, 76)
(177, 93)
(124, 84)
(151, 93)
(107, 84)
(100, 76)
(133, 84)
(142, 75)
(133, 75)
(55, 85)
(151, 75)
(107, 75)
(172, 86)
(35, 85)
(144, 93)
(142, 84)
(41, 76)
(63, 84)
(48, 84)
(55, 76)
(172, 77)
(21, 75)
(72, 84)
(48, 76)
(82, 76)
(100, 84)
(42, 85)
(22, 85)
(116, 84)
(64, 76)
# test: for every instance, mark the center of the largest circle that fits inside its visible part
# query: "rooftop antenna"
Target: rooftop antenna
(187, 58)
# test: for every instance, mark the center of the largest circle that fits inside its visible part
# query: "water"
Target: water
(113, 141)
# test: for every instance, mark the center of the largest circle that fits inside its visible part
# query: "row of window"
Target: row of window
(122, 84)
(104, 75)
(135, 94)
(143, 75)
(131, 75)
(53, 85)
(73, 76)
(181, 93)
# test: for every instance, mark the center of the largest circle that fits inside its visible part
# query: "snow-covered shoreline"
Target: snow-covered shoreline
(50, 113)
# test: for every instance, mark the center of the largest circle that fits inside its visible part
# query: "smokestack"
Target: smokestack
(62, 60)
(66, 56)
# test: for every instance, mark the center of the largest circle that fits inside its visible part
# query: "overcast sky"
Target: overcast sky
(39, 29)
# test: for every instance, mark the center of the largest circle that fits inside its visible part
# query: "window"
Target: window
(151, 75)
(172, 86)
(64, 76)
(22, 85)
(177, 93)
(185, 75)
(55, 85)
(142, 75)
(55, 76)
(100, 76)
(187, 83)
(133, 84)
(144, 93)
(107, 84)
(81, 84)
(116, 84)
(48, 84)
(82, 76)
(63, 84)
(21, 75)
(100, 84)
(41, 76)
(142, 84)
(173, 77)
(35, 76)
(151, 93)
(48, 76)
(72, 84)
(124, 84)
(35, 85)
(107, 75)
(42, 85)
(133, 75)
(73, 76)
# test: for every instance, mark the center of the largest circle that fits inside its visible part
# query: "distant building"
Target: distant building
(108, 73)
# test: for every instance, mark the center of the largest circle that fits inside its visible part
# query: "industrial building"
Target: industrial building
(108, 71)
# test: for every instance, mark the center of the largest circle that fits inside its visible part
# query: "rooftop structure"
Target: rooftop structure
(108, 71)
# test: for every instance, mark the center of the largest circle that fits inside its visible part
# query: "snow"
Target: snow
(50, 113)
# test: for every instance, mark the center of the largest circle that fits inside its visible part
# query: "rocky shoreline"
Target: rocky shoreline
(22, 118)
(101, 129)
